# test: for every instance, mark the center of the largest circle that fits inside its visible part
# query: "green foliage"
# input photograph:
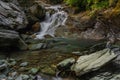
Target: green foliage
(100, 5)
(88, 4)
(72, 2)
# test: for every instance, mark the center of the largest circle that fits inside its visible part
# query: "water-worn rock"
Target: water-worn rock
(65, 64)
(24, 64)
(14, 74)
(48, 70)
(3, 77)
(3, 66)
(35, 46)
(33, 70)
(37, 11)
(22, 77)
(11, 16)
(8, 38)
(93, 61)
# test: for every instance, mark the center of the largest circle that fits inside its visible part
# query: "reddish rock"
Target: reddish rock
(36, 27)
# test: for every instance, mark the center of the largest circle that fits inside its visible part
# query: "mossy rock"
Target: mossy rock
(47, 70)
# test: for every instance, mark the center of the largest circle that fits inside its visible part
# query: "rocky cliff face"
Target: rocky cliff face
(11, 18)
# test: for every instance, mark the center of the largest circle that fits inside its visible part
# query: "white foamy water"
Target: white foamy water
(52, 22)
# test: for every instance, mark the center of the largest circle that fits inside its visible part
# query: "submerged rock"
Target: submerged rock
(33, 71)
(71, 44)
(35, 46)
(48, 70)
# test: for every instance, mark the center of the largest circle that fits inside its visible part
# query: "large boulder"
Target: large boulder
(11, 16)
(92, 62)
(8, 39)
(37, 11)
(35, 14)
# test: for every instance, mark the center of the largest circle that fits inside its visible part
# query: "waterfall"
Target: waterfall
(52, 22)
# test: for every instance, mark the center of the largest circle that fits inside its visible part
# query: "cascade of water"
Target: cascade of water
(51, 22)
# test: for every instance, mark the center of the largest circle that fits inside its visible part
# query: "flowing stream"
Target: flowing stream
(52, 22)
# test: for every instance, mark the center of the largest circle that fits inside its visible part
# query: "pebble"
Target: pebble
(14, 74)
(24, 64)
(3, 66)
(22, 77)
(2, 62)
(25, 77)
(13, 63)
(33, 70)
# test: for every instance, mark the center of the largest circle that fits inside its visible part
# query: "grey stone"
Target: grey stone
(10, 78)
(33, 70)
(24, 64)
(35, 46)
(66, 64)
(25, 77)
(19, 78)
(2, 76)
(22, 69)
(14, 74)
(38, 11)
(11, 16)
(2, 61)
(93, 61)
(22, 77)
(116, 77)
(3, 66)
(12, 63)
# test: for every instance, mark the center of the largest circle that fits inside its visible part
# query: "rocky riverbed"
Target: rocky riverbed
(49, 40)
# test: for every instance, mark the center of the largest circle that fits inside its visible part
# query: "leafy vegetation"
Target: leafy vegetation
(88, 4)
